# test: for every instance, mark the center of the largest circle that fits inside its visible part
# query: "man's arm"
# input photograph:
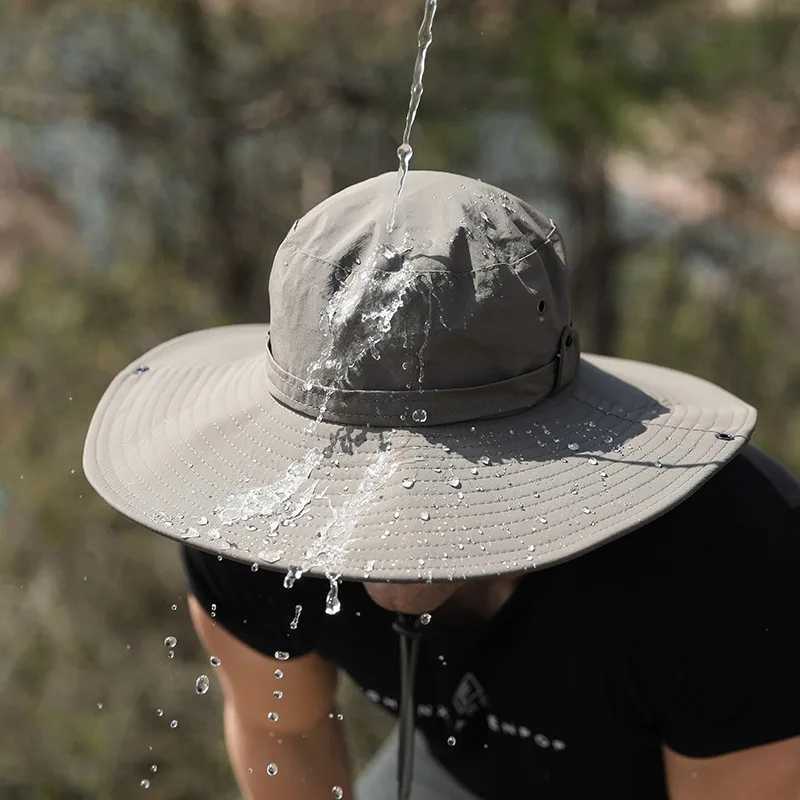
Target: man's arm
(305, 743)
(768, 772)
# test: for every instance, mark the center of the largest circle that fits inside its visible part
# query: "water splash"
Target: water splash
(264, 501)
(404, 152)
(333, 539)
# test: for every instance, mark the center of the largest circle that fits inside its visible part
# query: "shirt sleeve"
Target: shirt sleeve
(718, 658)
(254, 606)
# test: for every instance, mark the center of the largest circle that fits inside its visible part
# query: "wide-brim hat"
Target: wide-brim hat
(417, 409)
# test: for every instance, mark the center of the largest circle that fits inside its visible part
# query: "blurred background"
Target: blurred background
(154, 154)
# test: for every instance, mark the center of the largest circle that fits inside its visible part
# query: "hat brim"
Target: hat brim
(197, 449)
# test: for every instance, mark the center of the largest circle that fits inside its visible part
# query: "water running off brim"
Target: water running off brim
(404, 152)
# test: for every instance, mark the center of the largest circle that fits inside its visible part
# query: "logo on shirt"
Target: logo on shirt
(469, 697)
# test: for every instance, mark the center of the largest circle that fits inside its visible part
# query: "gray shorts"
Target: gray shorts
(431, 781)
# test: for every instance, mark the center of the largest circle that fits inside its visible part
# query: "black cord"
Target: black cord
(405, 625)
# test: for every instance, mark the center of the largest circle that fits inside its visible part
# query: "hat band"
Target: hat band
(425, 407)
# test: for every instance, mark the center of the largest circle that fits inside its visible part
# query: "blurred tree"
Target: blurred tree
(155, 154)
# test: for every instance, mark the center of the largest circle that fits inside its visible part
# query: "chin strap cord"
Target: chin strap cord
(406, 626)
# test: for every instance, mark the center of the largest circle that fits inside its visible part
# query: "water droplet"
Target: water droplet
(270, 557)
(293, 574)
(273, 716)
(272, 769)
(170, 654)
(424, 516)
(202, 521)
(144, 783)
(332, 604)
(424, 619)
(408, 483)
(451, 740)
(336, 791)
(658, 465)
(154, 768)
(190, 533)
(603, 475)
(593, 462)
(485, 460)
(278, 694)
(587, 510)
(455, 483)
(419, 415)
(281, 655)
(170, 641)
(201, 684)
(254, 567)
(296, 619)
(543, 520)
(173, 724)
(405, 152)
(278, 674)
(215, 661)
(174, 606)
(725, 437)
(159, 712)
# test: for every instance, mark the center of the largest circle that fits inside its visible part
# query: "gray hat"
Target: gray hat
(418, 408)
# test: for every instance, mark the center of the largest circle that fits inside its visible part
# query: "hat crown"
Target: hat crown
(470, 288)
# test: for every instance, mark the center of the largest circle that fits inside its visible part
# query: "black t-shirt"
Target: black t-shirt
(683, 632)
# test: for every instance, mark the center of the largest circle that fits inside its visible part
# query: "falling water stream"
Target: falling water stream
(289, 497)
(404, 152)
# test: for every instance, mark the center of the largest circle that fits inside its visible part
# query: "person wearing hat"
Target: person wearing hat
(568, 575)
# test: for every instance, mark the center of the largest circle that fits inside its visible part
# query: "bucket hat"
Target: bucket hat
(417, 408)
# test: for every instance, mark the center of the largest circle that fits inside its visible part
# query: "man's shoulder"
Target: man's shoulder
(741, 528)
(753, 468)
(751, 494)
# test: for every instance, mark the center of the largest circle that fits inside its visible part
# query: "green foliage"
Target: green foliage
(87, 593)
(731, 328)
